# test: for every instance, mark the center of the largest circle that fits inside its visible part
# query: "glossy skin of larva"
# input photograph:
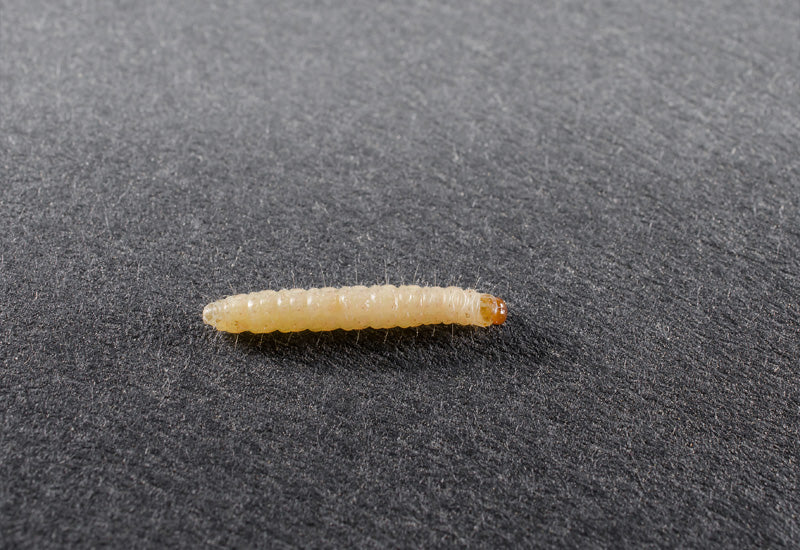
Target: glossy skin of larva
(353, 308)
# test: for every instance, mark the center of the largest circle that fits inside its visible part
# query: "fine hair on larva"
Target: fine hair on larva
(353, 308)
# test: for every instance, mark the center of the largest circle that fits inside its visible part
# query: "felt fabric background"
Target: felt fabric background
(625, 174)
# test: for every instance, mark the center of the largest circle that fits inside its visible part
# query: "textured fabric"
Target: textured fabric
(626, 175)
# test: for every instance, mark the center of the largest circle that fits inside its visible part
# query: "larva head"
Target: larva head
(493, 310)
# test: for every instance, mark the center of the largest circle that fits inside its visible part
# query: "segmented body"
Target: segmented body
(353, 308)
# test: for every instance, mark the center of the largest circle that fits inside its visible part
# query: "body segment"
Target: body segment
(353, 308)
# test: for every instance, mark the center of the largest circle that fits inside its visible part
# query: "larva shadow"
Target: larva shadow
(522, 345)
(445, 337)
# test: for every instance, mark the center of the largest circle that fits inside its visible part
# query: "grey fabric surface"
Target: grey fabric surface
(625, 174)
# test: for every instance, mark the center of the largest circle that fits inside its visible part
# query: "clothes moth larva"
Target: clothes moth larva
(353, 308)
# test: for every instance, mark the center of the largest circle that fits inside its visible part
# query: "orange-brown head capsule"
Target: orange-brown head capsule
(493, 310)
(500, 312)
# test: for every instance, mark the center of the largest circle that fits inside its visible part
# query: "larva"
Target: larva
(353, 308)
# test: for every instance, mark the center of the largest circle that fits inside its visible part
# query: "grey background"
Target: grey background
(625, 174)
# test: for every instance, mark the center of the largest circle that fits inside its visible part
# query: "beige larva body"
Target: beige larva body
(353, 308)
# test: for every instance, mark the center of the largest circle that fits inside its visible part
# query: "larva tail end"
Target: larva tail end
(210, 314)
(493, 310)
